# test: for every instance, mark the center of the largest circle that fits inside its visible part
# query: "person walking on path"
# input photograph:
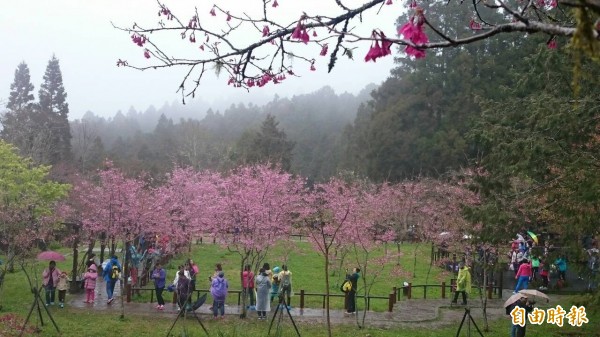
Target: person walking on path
(463, 283)
(50, 277)
(218, 290)
(248, 286)
(263, 287)
(89, 283)
(523, 276)
(62, 286)
(351, 297)
(159, 275)
(111, 274)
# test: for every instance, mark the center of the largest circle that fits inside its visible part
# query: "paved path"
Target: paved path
(408, 313)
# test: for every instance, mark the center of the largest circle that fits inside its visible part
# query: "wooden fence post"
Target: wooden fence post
(443, 290)
(301, 299)
(128, 290)
(409, 290)
(395, 290)
(391, 302)
(489, 291)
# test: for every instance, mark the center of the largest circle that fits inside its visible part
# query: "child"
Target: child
(544, 274)
(275, 283)
(62, 286)
(89, 280)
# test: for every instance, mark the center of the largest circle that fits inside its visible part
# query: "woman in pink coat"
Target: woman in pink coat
(50, 281)
(89, 280)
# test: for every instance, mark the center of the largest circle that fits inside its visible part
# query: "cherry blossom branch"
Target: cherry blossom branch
(250, 64)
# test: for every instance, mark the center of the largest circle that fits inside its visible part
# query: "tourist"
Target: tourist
(463, 283)
(218, 290)
(516, 329)
(535, 266)
(183, 290)
(263, 287)
(50, 277)
(523, 276)
(112, 273)
(561, 264)
(248, 285)
(274, 281)
(159, 276)
(351, 295)
(62, 286)
(89, 283)
(285, 285)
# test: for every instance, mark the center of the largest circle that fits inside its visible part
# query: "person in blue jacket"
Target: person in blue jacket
(111, 274)
(159, 275)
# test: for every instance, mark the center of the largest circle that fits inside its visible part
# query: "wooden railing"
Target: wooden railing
(394, 296)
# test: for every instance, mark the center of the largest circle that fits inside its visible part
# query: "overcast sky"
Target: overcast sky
(80, 34)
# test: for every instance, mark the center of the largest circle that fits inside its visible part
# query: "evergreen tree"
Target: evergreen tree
(269, 144)
(21, 96)
(54, 104)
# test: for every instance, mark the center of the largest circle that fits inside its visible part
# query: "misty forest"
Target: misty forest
(480, 144)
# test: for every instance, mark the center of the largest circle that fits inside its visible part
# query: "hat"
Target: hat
(221, 274)
(276, 270)
(92, 267)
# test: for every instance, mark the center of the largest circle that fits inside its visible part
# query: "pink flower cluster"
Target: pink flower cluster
(193, 22)
(552, 44)
(166, 12)
(378, 50)
(275, 4)
(138, 39)
(213, 12)
(324, 50)
(300, 32)
(413, 32)
(265, 31)
(474, 25)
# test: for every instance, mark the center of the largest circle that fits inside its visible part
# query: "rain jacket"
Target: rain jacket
(463, 282)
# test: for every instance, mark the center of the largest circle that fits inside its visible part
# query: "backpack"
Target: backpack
(114, 274)
(285, 279)
(346, 286)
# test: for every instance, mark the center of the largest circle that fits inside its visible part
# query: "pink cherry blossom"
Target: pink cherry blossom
(413, 31)
(553, 3)
(474, 25)
(552, 44)
(146, 53)
(275, 4)
(312, 67)
(213, 12)
(389, 2)
(323, 50)
(192, 38)
(265, 31)
(228, 17)
(300, 33)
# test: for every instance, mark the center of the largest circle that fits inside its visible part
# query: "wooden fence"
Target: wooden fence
(395, 295)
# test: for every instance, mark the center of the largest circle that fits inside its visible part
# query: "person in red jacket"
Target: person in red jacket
(248, 285)
(523, 276)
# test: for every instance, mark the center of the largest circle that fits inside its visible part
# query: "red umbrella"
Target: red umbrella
(50, 256)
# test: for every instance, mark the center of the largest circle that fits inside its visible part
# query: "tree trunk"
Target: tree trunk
(486, 326)
(329, 333)
(125, 276)
(415, 261)
(74, 287)
(244, 311)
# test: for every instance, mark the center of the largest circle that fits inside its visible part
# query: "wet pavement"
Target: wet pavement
(414, 313)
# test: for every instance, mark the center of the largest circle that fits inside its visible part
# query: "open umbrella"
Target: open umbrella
(535, 293)
(520, 238)
(533, 237)
(50, 256)
(513, 299)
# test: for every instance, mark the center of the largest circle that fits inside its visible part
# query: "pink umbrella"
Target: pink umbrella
(50, 256)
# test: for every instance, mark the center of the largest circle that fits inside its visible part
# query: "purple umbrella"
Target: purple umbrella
(50, 256)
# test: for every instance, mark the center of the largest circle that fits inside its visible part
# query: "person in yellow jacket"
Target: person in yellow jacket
(463, 283)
